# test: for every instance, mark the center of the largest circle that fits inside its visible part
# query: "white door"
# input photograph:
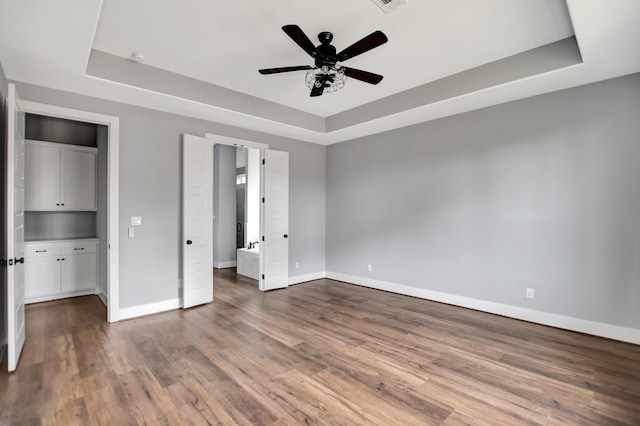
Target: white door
(197, 220)
(14, 228)
(274, 248)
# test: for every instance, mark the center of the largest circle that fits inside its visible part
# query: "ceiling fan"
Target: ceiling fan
(327, 74)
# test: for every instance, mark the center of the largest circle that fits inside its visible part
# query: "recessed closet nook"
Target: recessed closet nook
(65, 208)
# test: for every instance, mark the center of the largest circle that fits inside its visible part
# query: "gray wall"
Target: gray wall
(59, 225)
(541, 193)
(3, 237)
(150, 186)
(224, 204)
(60, 130)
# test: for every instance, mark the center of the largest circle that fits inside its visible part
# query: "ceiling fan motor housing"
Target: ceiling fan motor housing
(327, 52)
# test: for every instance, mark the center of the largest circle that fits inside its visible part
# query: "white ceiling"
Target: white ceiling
(225, 43)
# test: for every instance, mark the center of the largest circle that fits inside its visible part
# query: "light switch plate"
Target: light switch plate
(136, 220)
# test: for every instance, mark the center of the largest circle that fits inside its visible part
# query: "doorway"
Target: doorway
(198, 217)
(109, 138)
(236, 210)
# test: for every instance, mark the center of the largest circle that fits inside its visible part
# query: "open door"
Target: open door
(275, 221)
(197, 220)
(14, 228)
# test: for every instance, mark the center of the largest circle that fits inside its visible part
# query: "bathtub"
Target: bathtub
(248, 263)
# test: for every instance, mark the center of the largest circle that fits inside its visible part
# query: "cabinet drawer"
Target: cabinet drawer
(78, 247)
(41, 250)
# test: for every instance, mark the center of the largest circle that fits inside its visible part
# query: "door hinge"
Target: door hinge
(2, 262)
(263, 276)
(263, 238)
(263, 199)
(262, 162)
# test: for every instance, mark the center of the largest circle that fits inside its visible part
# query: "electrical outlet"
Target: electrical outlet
(369, 268)
(530, 293)
(297, 265)
(131, 232)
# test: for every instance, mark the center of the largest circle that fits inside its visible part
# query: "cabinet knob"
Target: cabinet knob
(286, 236)
(189, 242)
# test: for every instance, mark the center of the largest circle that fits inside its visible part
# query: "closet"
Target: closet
(63, 217)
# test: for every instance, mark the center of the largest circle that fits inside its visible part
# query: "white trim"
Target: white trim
(30, 300)
(560, 321)
(103, 297)
(149, 309)
(113, 196)
(297, 279)
(226, 140)
(226, 264)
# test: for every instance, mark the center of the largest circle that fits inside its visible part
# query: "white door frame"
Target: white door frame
(241, 143)
(113, 197)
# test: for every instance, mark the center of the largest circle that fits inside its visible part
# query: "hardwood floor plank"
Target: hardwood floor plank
(322, 352)
(382, 406)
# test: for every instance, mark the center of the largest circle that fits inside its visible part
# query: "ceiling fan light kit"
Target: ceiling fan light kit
(327, 75)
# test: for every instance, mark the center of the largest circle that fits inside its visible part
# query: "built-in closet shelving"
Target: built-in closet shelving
(61, 208)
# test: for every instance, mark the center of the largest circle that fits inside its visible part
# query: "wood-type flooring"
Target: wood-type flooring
(322, 352)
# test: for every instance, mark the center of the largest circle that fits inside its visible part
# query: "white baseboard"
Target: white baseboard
(568, 323)
(297, 279)
(28, 301)
(103, 297)
(148, 309)
(226, 264)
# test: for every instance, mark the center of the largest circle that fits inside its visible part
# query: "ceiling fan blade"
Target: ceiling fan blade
(301, 39)
(284, 69)
(371, 41)
(366, 76)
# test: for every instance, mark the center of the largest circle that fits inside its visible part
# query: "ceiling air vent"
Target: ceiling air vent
(389, 5)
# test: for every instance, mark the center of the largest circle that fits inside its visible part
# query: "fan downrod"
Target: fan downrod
(325, 37)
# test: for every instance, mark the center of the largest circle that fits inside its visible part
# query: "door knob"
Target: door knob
(21, 260)
(189, 242)
(286, 236)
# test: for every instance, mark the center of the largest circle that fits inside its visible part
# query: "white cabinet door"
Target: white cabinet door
(78, 189)
(60, 269)
(42, 178)
(42, 277)
(60, 177)
(79, 272)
